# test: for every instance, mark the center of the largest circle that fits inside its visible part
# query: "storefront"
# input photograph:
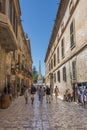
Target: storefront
(78, 87)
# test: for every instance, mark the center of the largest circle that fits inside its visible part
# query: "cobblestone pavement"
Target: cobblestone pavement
(58, 115)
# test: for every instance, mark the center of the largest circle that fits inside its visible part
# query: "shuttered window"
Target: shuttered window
(58, 76)
(64, 73)
(72, 35)
(62, 48)
(74, 70)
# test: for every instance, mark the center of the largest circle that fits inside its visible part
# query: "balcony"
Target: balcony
(8, 39)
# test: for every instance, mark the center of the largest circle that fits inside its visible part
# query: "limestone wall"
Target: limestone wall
(2, 68)
(78, 53)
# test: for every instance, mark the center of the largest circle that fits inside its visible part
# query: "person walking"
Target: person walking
(26, 94)
(44, 91)
(33, 91)
(51, 92)
(56, 91)
(10, 92)
(48, 96)
(38, 88)
(79, 95)
(41, 94)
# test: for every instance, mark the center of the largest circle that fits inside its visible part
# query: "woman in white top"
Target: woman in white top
(56, 91)
(26, 94)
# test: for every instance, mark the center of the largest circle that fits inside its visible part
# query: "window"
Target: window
(58, 55)
(58, 76)
(10, 10)
(62, 26)
(51, 63)
(74, 70)
(62, 48)
(64, 73)
(18, 59)
(49, 66)
(58, 37)
(71, 6)
(14, 55)
(54, 59)
(14, 21)
(2, 6)
(16, 26)
(55, 78)
(12, 16)
(72, 35)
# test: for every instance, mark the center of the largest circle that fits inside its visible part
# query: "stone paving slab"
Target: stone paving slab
(42, 128)
(58, 115)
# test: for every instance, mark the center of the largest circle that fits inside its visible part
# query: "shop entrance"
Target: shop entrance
(76, 86)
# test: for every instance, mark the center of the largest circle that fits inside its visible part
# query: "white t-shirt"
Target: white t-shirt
(26, 94)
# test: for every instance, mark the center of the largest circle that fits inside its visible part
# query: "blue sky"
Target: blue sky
(38, 18)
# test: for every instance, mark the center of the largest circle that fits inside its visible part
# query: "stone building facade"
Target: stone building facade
(15, 51)
(66, 57)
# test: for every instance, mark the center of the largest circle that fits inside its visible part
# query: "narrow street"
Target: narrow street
(58, 115)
